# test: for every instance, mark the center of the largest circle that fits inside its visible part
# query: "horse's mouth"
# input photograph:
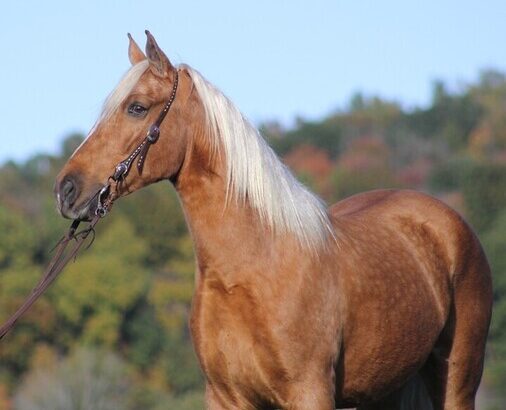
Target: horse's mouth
(82, 212)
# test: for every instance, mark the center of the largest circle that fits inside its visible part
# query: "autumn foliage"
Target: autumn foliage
(126, 301)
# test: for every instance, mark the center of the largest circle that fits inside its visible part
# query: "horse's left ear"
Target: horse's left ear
(135, 54)
(158, 61)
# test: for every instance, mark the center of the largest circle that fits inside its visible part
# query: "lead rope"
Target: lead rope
(56, 265)
(105, 199)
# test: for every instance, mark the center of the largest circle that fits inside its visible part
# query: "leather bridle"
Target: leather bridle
(121, 170)
(105, 199)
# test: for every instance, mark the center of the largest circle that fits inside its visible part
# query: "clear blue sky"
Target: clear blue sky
(275, 59)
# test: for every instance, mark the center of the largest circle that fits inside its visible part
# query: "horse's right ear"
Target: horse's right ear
(158, 61)
(135, 54)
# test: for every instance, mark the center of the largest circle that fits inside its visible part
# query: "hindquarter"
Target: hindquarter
(397, 278)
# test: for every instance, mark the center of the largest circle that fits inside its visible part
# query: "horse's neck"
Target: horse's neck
(229, 239)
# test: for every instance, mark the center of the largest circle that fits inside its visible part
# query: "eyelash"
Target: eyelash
(137, 110)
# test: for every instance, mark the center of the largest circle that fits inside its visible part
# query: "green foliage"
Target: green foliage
(347, 182)
(16, 282)
(86, 380)
(450, 175)
(95, 312)
(451, 117)
(145, 337)
(17, 243)
(152, 399)
(322, 135)
(364, 166)
(156, 216)
(484, 190)
(190, 401)
(494, 242)
(180, 355)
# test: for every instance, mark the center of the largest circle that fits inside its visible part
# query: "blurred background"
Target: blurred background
(352, 95)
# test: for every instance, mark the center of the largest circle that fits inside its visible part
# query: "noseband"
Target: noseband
(121, 170)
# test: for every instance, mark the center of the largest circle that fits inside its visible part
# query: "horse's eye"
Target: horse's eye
(137, 110)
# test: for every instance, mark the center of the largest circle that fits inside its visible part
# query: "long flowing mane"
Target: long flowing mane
(254, 172)
(257, 176)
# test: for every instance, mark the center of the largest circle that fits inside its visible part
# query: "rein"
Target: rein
(105, 199)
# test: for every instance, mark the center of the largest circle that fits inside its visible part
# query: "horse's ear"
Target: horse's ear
(158, 61)
(135, 54)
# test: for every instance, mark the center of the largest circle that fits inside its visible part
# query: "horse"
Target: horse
(381, 301)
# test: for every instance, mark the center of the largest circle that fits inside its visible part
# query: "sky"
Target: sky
(277, 59)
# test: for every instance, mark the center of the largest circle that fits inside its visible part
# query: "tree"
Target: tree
(93, 295)
(86, 380)
(364, 166)
(494, 242)
(484, 189)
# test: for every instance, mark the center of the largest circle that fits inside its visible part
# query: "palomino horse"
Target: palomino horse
(381, 301)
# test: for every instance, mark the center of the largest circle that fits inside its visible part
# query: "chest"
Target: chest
(236, 343)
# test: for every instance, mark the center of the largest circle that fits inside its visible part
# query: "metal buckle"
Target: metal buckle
(120, 171)
(153, 133)
(102, 197)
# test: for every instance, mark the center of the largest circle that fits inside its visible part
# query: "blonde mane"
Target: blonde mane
(254, 172)
(256, 175)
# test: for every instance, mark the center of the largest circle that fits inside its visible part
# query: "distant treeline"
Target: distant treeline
(123, 307)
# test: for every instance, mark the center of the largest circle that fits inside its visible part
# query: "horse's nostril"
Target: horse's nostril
(68, 191)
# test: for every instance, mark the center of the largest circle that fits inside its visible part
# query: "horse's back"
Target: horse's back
(400, 255)
(419, 219)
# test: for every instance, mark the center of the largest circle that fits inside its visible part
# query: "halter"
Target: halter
(123, 168)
